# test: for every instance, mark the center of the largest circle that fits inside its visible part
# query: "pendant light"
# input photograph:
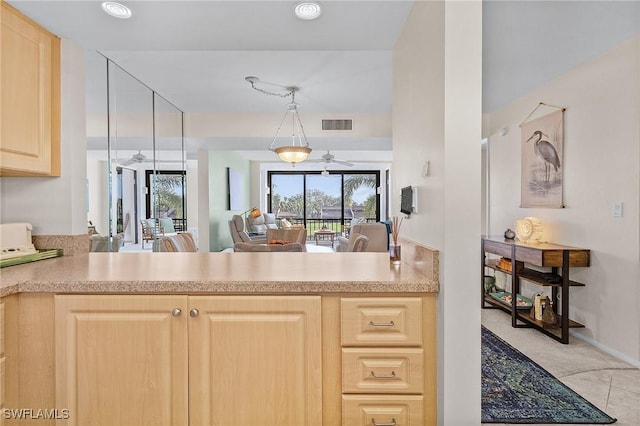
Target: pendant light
(298, 150)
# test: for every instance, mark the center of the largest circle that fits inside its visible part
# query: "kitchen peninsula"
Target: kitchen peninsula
(223, 338)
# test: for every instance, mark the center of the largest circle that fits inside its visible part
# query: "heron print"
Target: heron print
(542, 161)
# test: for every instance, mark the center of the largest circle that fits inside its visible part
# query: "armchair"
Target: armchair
(239, 235)
(376, 233)
(357, 242)
(294, 235)
(182, 241)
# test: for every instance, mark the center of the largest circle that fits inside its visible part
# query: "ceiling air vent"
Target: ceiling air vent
(337, 124)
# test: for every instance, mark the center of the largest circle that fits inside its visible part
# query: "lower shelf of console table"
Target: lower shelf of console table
(559, 258)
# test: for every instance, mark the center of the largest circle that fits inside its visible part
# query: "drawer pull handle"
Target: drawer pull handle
(176, 312)
(382, 324)
(392, 423)
(383, 376)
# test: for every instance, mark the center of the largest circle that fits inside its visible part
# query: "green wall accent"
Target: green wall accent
(219, 216)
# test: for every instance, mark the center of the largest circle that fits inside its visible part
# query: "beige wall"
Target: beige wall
(418, 116)
(601, 155)
(436, 117)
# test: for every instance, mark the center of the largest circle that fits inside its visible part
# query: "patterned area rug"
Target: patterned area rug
(517, 390)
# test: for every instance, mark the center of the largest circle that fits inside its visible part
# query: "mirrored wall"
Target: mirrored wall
(144, 163)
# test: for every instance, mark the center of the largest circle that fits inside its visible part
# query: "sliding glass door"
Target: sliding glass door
(166, 197)
(324, 201)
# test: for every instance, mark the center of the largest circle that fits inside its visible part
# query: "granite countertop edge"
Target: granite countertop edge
(199, 287)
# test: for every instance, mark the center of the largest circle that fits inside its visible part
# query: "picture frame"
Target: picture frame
(235, 189)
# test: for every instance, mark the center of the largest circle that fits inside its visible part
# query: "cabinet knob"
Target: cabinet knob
(176, 312)
(391, 423)
(194, 313)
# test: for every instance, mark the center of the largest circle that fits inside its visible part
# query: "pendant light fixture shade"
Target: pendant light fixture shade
(293, 154)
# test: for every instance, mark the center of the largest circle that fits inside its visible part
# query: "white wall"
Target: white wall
(437, 117)
(601, 166)
(57, 206)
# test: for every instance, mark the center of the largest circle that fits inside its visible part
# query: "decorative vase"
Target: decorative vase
(509, 234)
(395, 254)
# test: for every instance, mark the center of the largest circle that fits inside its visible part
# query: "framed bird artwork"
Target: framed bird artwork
(542, 161)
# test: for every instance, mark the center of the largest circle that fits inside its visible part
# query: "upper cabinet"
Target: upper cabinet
(29, 96)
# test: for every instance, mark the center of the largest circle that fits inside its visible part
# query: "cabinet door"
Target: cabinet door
(255, 360)
(2, 388)
(29, 96)
(122, 360)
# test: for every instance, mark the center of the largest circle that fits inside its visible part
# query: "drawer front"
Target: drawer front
(501, 249)
(388, 410)
(384, 321)
(382, 370)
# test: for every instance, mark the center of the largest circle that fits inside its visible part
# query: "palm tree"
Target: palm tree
(355, 181)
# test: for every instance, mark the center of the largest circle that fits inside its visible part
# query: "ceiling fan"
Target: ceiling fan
(329, 158)
(139, 157)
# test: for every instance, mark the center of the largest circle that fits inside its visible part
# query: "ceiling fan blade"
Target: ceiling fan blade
(343, 162)
(162, 161)
(128, 162)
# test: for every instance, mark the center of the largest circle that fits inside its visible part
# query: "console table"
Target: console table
(557, 257)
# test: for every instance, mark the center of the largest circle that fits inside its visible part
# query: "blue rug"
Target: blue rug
(517, 390)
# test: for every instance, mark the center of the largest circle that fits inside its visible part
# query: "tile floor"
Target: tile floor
(608, 383)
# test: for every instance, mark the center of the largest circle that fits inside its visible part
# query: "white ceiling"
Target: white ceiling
(197, 53)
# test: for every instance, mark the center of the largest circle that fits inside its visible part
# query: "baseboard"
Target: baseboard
(603, 348)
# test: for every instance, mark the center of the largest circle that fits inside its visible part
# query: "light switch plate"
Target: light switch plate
(617, 209)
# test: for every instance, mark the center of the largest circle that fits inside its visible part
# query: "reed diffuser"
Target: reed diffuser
(395, 253)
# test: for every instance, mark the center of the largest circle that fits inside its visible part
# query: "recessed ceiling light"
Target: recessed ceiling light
(116, 10)
(308, 10)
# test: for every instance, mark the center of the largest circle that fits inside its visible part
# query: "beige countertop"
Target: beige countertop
(185, 273)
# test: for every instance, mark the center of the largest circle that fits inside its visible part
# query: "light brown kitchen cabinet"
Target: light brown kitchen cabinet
(198, 360)
(122, 360)
(29, 97)
(255, 360)
(2, 364)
